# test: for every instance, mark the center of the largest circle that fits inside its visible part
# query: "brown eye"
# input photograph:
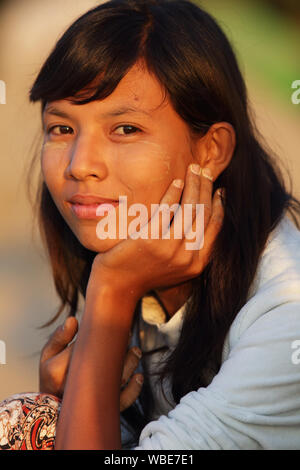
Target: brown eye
(127, 130)
(60, 130)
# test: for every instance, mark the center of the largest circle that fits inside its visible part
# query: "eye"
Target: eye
(127, 130)
(60, 130)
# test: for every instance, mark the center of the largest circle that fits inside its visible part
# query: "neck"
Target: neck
(172, 298)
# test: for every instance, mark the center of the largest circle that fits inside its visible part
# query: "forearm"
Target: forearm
(90, 416)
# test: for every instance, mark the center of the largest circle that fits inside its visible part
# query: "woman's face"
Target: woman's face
(130, 144)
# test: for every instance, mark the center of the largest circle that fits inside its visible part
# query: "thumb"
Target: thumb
(61, 337)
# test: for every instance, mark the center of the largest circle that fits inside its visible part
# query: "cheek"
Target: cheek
(53, 164)
(53, 160)
(148, 169)
(145, 166)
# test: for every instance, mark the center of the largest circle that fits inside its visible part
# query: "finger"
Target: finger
(163, 214)
(204, 210)
(191, 193)
(206, 190)
(63, 363)
(60, 338)
(53, 373)
(184, 217)
(131, 391)
(130, 364)
(63, 358)
(214, 226)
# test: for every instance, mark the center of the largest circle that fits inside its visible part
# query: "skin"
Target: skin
(55, 360)
(98, 158)
(116, 283)
(96, 155)
(142, 166)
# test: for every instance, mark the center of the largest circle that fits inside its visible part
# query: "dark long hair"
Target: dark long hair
(189, 54)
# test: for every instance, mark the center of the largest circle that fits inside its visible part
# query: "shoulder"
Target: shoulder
(274, 296)
(253, 401)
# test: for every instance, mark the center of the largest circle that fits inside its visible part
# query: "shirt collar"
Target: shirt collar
(153, 314)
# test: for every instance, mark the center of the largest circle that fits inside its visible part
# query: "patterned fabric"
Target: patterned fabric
(28, 422)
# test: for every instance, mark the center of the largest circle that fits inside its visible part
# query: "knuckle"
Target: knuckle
(123, 382)
(136, 352)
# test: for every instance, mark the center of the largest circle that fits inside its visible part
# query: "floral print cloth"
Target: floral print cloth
(28, 422)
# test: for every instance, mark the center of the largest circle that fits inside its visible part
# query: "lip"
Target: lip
(86, 206)
(87, 199)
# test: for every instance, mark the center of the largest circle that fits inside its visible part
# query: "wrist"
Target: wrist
(107, 302)
(111, 284)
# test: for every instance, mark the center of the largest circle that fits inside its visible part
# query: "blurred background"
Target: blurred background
(266, 38)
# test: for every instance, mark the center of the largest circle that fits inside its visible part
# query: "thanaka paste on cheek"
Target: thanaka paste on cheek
(53, 156)
(146, 159)
(55, 145)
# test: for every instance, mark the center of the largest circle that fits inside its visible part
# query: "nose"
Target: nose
(86, 159)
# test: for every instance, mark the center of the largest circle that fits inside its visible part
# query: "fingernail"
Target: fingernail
(195, 168)
(137, 352)
(178, 183)
(221, 193)
(206, 172)
(139, 379)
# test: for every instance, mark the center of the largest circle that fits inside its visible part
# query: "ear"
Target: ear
(215, 149)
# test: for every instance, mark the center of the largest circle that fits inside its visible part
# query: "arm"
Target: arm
(90, 413)
(56, 357)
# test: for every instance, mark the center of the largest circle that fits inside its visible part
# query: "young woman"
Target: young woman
(145, 100)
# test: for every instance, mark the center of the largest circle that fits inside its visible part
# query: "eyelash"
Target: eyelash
(68, 127)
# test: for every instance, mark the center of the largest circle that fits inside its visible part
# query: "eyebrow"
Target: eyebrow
(114, 112)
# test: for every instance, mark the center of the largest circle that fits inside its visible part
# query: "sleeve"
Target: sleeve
(252, 403)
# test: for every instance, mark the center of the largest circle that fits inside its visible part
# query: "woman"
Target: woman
(144, 99)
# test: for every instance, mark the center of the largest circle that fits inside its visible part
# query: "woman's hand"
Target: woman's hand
(139, 265)
(131, 383)
(56, 356)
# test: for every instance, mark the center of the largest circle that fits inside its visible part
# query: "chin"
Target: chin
(95, 244)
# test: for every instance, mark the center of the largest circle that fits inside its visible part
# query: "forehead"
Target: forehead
(139, 83)
(138, 92)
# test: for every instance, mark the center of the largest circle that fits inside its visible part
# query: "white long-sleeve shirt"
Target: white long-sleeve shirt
(253, 402)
